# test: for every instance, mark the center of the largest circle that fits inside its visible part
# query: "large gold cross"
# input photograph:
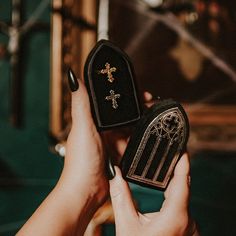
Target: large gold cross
(113, 98)
(108, 70)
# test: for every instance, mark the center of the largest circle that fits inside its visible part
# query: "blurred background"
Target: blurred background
(180, 49)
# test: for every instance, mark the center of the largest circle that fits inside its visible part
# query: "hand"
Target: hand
(83, 185)
(84, 150)
(172, 219)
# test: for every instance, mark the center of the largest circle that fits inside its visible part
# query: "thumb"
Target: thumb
(121, 198)
(177, 193)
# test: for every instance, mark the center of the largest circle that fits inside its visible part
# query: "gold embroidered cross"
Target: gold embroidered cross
(113, 98)
(109, 70)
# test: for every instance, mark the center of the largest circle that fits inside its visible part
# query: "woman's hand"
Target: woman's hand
(172, 219)
(83, 185)
(84, 160)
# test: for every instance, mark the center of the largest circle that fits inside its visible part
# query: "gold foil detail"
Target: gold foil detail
(112, 97)
(167, 125)
(108, 70)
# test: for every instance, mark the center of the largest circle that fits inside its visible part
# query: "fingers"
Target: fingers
(83, 136)
(147, 96)
(149, 100)
(183, 166)
(80, 106)
(115, 142)
(121, 145)
(177, 193)
(123, 206)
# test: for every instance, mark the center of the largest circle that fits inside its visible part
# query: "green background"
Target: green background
(28, 170)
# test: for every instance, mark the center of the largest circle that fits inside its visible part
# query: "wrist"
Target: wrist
(77, 204)
(86, 186)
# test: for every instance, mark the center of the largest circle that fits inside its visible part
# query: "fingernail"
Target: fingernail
(72, 80)
(111, 173)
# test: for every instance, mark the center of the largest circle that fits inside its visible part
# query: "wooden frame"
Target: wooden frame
(70, 46)
(213, 127)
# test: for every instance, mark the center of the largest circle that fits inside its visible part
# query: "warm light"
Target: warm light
(153, 3)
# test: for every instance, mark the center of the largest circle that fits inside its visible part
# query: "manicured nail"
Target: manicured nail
(111, 173)
(72, 80)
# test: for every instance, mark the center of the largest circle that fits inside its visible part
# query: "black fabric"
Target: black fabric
(159, 150)
(128, 110)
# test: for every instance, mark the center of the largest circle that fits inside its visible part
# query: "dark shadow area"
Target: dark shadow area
(213, 192)
(8, 178)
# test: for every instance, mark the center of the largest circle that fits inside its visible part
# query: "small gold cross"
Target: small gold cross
(109, 70)
(113, 98)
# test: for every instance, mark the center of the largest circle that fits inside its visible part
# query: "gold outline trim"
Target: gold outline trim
(143, 143)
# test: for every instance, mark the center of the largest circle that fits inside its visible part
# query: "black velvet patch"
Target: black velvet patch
(157, 143)
(127, 108)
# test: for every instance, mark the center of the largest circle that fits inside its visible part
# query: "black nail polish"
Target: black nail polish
(111, 173)
(72, 80)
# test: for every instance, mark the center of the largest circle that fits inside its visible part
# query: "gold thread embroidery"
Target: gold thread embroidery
(112, 97)
(108, 70)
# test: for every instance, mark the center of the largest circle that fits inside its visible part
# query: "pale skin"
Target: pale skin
(83, 187)
(172, 219)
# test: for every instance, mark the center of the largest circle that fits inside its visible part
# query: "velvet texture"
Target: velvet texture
(126, 108)
(156, 145)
